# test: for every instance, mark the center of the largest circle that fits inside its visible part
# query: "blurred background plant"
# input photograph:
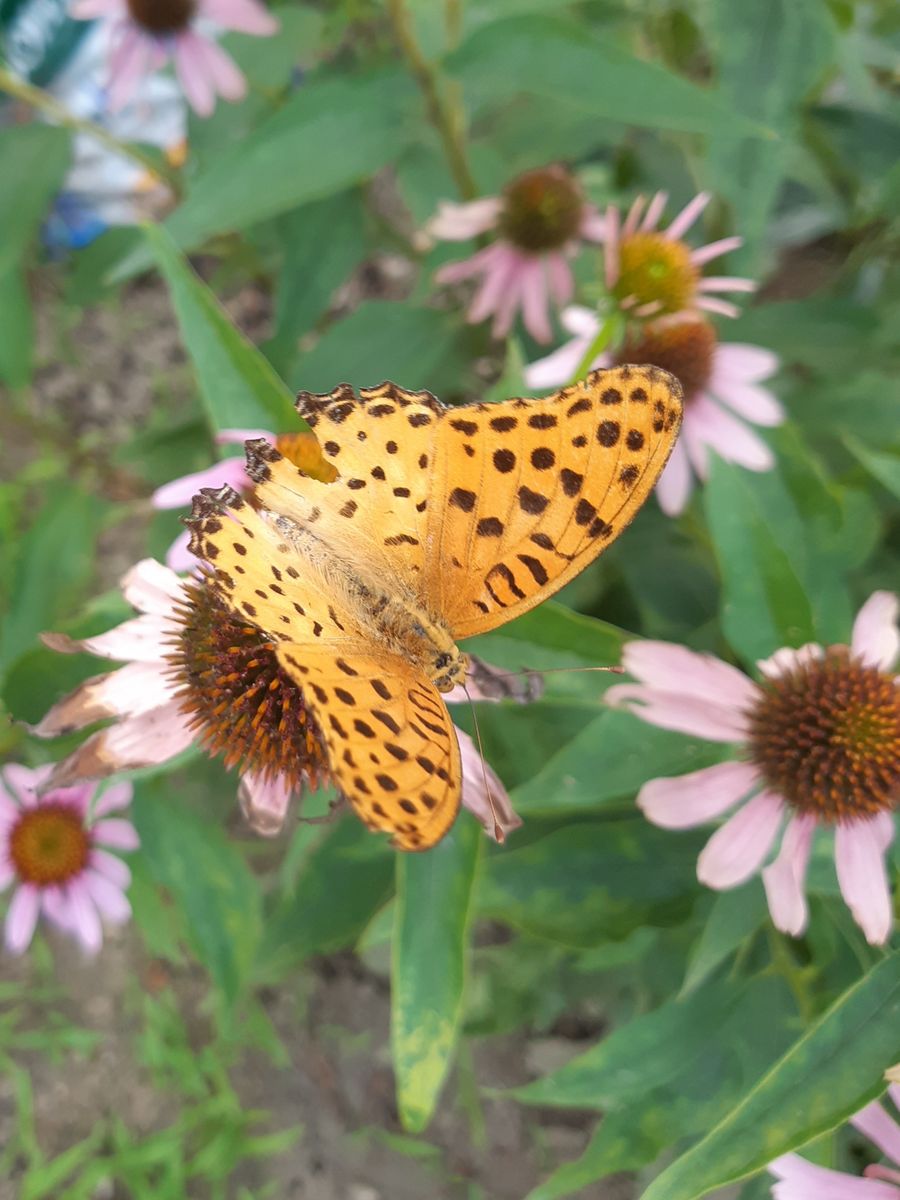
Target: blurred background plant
(477, 197)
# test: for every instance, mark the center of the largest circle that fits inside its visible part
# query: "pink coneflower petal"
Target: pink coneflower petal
(654, 212)
(499, 263)
(668, 667)
(611, 247)
(559, 277)
(710, 425)
(802, 1180)
(535, 300)
(876, 638)
(483, 793)
(7, 874)
(221, 69)
(178, 555)
(715, 250)
(859, 858)
(151, 588)
(133, 58)
(190, 67)
(180, 492)
(89, 10)
(25, 782)
(747, 400)
(580, 322)
(111, 868)
(633, 219)
(479, 263)
(788, 659)
(722, 307)
(85, 920)
(264, 802)
(593, 227)
(784, 880)
(511, 300)
(230, 437)
(557, 367)
(461, 222)
(110, 900)
(683, 714)
(683, 801)
(688, 216)
(21, 918)
(648, 309)
(726, 283)
(117, 834)
(738, 362)
(243, 16)
(675, 484)
(735, 852)
(137, 639)
(116, 797)
(881, 1129)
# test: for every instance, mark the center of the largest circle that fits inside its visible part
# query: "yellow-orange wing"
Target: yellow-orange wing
(392, 748)
(525, 493)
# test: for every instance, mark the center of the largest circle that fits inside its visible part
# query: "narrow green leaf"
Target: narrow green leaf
(35, 158)
(830, 1073)
(434, 892)
(238, 386)
(885, 467)
(16, 329)
(733, 917)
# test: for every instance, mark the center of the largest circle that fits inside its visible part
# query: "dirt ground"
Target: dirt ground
(98, 380)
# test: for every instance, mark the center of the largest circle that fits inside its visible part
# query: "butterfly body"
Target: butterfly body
(442, 524)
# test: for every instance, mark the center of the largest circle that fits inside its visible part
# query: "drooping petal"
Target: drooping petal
(118, 834)
(227, 78)
(611, 260)
(130, 744)
(142, 639)
(243, 16)
(21, 918)
(787, 659)
(191, 69)
(535, 301)
(683, 801)
(460, 222)
(132, 691)
(264, 802)
(742, 363)
(111, 901)
(735, 852)
(673, 490)
(881, 1129)
(110, 868)
(859, 859)
(511, 299)
(151, 588)
(802, 1180)
(688, 216)
(132, 59)
(711, 425)
(558, 367)
(85, 920)
(116, 797)
(559, 277)
(784, 880)
(498, 267)
(180, 492)
(673, 710)
(483, 793)
(668, 667)
(876, 639)
(476, 264)
(755, 403)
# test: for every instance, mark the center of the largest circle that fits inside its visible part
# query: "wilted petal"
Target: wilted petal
(264, 802)
(132, 691)
(859, 859)
(483, 793)
(876, 638)
(784, 880)
(736, 851)
(132, 59)
(684, 801)
(460, 222)
(131, 743)
(152, 588)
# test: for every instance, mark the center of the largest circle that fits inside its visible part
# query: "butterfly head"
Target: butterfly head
(449, 669)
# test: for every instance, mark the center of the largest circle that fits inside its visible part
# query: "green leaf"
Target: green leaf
(835, 1069)
(885, 467)
(237, 384)
(208, 879)
(733, 917)
(584, 884)
(665, 1075)
(434, 892)
(16, 329)
(36, 158)
(542, 56)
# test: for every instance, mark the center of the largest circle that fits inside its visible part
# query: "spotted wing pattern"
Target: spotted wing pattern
(391, 745)
(525, 493)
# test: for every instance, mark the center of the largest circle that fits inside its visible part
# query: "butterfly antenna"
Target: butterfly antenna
(499, 835)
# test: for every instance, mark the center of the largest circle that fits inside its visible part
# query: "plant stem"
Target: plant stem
(446, 118)
(51, 108)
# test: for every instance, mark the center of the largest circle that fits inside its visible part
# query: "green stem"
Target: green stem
(794, 976)
(606, 334)
(446, 118)
(37, 98)
(453, 16)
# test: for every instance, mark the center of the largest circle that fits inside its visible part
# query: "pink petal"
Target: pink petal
(143, 639)
(556, 369)
(476, 264)
(116, 797)
(111, 868)
(226, 76)
(499, 263)
(264, 802)
(84, 918)
(110, 900)
(675, 485)
(132, 691)
(131, 61)
(226, 437)
(21, 918)
(688, 216)
(580, 322)
(559, 277)
(180, 492)
(535, 301)
(715, 249)
(243, 16)
(859, 858)
(654, 211)
(633, 219)
(722, 307)
(179, 556)
(89, 10)
(876, 639)
(743, 363)
(593, 227)
(151, 588)
(786, 660)
(460, 222)
(736, 851)
(667, 667)
(511, 300)
(672, 710)
(756, 404)
(882, 1130)
(706, 424)
(611, 247)
(25, 782)
(7, 872)
(688, 800)
(784, 880)
(802, 1180)
(134, 742)
(117, 834)
(727, 283)
(191, 68)
(483, 793)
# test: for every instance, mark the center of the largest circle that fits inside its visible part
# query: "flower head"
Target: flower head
(819, 737)
(653, 273)
(55, 850)
(147, 33)
(722, 391)
(197, 673)
(799, 1179)
(539, 221)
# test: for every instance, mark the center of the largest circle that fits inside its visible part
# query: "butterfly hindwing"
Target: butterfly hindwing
(392, 748)
(526, 493)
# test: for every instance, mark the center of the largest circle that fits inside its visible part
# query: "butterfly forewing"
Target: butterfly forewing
(531, 491)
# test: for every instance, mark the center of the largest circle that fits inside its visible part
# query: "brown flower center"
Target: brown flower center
(826, 736)
(541, 209)
(240, 702)
(685, 348)
(656, 270)
(49, 844)
(162, 16)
